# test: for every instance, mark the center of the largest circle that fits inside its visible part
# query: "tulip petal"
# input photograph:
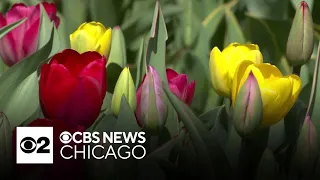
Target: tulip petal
(96, 69)
(51, 10)
(171, 73)
(190, 92)
(219, 74)
(3, 21)
(30, 41)
(82, 41)
(174, 89)
(254, 56)
(181, 82)
(105, 43)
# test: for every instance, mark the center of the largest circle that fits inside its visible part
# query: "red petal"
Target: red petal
(97, 70)
(176, 91)
(74, 61)
(82, 105)
(171, 73)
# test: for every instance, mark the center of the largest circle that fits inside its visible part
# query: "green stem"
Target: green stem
(296, 70)
(314, 83)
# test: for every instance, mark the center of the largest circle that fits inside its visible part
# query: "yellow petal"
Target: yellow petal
(95, 29)
(275, 95)
(105, 43)
(219, 73)
(255, 56)
(81, 41)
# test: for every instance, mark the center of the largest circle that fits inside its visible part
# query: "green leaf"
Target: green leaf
(10, 80)
(294, 119)
(113, 72)
(156, 48)
(45, 28)
(140, 66)
(6, 155)
(103, 11)
(234, 31)
(106, 106)
(315, 99)
(126, 121)
(268, 167)
(71, 20)
(217, 121)
(214, 18)
(6, 29)
(259, 32)
(118, 48)
(190, 23)
(208, 151)
(25, 97)
(261, 9)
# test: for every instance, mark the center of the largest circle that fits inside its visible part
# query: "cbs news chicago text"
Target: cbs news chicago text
(34, 145)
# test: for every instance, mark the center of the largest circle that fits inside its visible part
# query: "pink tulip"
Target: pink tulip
(23, 40)
(178, 84)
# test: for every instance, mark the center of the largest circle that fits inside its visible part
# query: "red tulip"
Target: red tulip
(60, 167)
(23, 40)
(178, 84)
(73, 86)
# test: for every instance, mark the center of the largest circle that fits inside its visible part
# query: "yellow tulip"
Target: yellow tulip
(92, 36)
(278, 92)
(224, 64)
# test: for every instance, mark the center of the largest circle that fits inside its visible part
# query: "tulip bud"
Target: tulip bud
(124, 86)
(307, 148)
(152, 108)
(300, 40)
(248, 108)
(118, 48)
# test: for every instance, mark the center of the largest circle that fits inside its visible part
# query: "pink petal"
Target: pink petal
(175, 90)
(31, 39)
(3, 21)
(138, 109)
(181, 81)
(171, 73)
(52, 12)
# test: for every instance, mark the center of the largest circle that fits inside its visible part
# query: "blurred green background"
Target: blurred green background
(194, 28)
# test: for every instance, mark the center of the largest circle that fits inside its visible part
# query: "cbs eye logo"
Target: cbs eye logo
(65, 137)
(34, 145)
(29, 145)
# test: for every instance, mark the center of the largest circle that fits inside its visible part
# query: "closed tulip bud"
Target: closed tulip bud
(307, 148)
(22, 41)
(300, 40)
(124, 86)
(92, 36)
(248, 107)
(224, 64)
(118, 48)
(152, 108)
